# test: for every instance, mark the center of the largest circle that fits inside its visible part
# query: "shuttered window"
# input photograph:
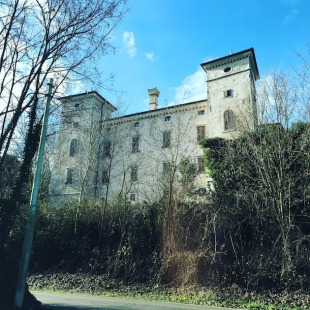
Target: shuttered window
(201, 132)
(166, 138)
(134, 173)
(135, 144)
(228, 93)
(229, 120)
(201, 165)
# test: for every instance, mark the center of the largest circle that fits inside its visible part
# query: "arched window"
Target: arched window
(73, 147)
(229, 120)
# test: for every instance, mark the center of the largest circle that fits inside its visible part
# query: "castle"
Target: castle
(130, 156)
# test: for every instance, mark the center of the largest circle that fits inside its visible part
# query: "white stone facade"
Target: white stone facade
(100, 156)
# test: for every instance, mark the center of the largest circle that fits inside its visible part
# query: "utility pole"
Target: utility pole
(25, 257)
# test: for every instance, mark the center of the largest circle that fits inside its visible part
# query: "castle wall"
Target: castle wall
(128, 156)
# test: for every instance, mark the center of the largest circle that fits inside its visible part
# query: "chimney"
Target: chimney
(154, 94)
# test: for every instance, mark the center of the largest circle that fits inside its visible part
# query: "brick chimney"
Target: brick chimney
(154, 94)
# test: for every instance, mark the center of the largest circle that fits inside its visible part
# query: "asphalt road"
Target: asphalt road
(56, 301)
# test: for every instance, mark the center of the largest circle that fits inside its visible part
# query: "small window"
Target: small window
(166, 138)
(69, 179)
(106, 152)
(210, 108)
(132, 197)
(166, 167)
(228, 93)
(134, 173)
(227, 69)
(77, 105)
(136, 124)
(73, 148)
(201, 133)
(105, 177)
(201, 165)
(202, 112)
(229, 120)
(75, 125)
(135, 144)
(168, 118)
(202, 191)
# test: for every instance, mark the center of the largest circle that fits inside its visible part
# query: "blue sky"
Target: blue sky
(162, 44)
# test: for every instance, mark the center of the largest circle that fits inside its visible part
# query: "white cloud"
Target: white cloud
(290, 16)
(129, 41)
(150, 56)
(193, 88)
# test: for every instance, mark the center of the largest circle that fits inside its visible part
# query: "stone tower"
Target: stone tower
(231, 93)
(75, 165)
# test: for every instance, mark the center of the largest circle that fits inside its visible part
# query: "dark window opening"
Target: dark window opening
(228, 93)
(69, 179)
(202, 191)
(137, 124)
(106, 152)
(73, 147)
(135, 144)
(167, 118)
(227, 69)
(202, 112)
(166, 138)
(132, 197)
(105, 177)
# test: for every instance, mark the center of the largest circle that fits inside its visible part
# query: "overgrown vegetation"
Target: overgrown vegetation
(261, 183)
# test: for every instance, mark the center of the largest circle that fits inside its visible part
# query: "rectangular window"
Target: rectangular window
(136, 124)
(132, 197)
(166, 167)
(75, 125)
(73, 147)
(135, 144)
(202, 112)
(201, 165)
(229, 120)
(69, 179)
(166, 138)
(105, 177)
(134, 173)
(201, 133)
(106, 152)
(168, 118)
(228, 93)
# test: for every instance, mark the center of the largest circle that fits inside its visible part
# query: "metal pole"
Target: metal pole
(25, 257)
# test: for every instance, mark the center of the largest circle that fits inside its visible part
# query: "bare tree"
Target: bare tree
(59, 38)
(261, 185)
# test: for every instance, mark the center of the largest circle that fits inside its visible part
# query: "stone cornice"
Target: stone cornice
(159, 112)
(249, 53)
(87, 95)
